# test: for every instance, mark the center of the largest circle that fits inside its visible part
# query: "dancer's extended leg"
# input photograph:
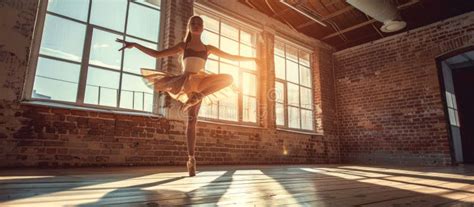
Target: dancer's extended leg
(208, 86)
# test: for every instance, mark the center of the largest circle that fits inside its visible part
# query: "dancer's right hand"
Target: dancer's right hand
(125, 44)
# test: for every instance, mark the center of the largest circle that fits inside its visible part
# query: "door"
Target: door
(463, 80)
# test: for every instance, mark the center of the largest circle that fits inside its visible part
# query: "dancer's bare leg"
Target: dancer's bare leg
(191, 128)
(191, 137)
(214, 83)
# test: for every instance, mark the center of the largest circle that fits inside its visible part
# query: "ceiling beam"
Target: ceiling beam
(408, 4)
(284, 11)
(350, 28)
(283, 19)
(250, 4)
(294, 7)
(337, 13)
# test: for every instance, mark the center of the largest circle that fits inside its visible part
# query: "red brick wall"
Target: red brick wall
(34, 135)
(64, 137)
(388, 95)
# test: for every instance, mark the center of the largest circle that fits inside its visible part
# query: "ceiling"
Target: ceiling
(347, 26)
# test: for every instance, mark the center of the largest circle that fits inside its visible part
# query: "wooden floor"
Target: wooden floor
(292, 185)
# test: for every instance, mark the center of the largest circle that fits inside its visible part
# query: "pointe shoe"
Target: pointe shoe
(191, 164)
(194, 99)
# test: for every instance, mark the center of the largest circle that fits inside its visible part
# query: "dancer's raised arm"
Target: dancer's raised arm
(220, 53)
(151, 52)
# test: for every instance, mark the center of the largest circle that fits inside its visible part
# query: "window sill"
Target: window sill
(220, 123)
(300, 132)
(85, 108)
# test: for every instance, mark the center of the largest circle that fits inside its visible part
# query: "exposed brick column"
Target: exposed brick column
(267, 80)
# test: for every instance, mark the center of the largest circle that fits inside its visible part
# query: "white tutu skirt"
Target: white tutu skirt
(180, 87)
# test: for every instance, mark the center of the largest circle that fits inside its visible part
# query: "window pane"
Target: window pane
(304, 58)
(293, 117)
(292, 71)
(143, 22)
(457, 118)
(279, 49)
(293, 94)
(210, 38)
(305, 76)
(249, 84)
(452, 117)
(231, 70)
(228, 108)
(109, 14)
(210, 23)
(76, 9)
(449, 99)
(291, 53)
(229, 46)
(152, 3)
(247, 38)
(63, 38)
(135, 59)
(102, 87)
(135, 90)
(249, 109)
(56, 80)
(306, 98)
(279, 92)
(209, 110)
(247, 52)
(279, 67)
(280, 114)
(306, 119)
(104, 50)
(453, 97)
(212, 66)
(229, 31)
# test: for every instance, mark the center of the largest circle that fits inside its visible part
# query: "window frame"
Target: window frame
(34, 56)
(254, 31)
(296, 45)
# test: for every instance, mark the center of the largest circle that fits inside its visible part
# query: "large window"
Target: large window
(293, 87)
(231, 38)
(78, 61)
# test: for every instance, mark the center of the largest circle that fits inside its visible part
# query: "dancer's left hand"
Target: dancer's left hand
(125, 44)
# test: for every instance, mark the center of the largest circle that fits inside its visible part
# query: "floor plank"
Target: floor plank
(289, 185)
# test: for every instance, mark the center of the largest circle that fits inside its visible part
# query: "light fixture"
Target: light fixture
(384, 11)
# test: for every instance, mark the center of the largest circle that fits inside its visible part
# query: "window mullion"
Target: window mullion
(219, 67)
(240, 95)
(122, 60)
(299, 90)
(85, 65)
(285, 105)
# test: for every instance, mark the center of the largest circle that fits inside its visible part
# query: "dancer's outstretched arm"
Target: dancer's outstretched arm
(220, 53)
(154, 53)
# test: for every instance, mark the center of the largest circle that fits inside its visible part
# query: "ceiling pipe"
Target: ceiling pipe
(384, 11)
(302, 12)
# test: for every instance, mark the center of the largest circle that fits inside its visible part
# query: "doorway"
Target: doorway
(457, 75)
(463, 79)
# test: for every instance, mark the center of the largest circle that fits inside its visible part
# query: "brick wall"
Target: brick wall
(388, 96)
(36, 135)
